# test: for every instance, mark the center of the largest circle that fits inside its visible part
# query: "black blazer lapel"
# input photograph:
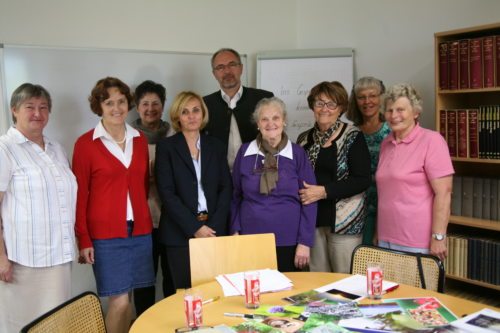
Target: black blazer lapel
(182, 150)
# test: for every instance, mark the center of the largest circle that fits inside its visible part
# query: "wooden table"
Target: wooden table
(168, 314)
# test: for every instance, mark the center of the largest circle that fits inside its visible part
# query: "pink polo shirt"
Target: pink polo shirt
(405, 196)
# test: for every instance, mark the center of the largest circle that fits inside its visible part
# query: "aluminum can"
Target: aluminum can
(252, 289)
(374, 278)
(193, 309)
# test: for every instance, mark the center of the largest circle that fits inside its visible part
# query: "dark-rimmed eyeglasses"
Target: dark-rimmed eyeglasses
(320, 104)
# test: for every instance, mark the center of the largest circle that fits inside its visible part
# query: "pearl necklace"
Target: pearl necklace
(123, 140)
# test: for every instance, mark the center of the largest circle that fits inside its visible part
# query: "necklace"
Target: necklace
(123, 140)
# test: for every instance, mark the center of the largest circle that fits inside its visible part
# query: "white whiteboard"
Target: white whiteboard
(69, 74)
(292, 74)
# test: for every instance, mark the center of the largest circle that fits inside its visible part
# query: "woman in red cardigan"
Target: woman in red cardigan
(113, 223)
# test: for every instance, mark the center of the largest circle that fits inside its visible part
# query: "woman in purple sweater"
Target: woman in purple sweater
(267, 175)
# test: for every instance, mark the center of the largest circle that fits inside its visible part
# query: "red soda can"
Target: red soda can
(374, 278)
(252, 289)
(193, 310)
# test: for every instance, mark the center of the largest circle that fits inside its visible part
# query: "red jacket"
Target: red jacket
(103, 183)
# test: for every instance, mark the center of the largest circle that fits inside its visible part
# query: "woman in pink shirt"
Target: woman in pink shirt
(414, 179)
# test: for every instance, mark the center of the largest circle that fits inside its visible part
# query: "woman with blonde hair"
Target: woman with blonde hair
(193, 182)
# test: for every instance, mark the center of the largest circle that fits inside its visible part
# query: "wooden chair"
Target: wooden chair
(82, 314)
(418, 270)
(212, 256)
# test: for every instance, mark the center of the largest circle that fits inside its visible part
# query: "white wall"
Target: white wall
(393, 39)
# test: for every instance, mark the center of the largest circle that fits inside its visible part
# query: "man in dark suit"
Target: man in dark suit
(230, 109)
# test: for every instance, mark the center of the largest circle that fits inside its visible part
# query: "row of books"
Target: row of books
(476, 197)
(473, 258)
(472, 133)
(469, 63)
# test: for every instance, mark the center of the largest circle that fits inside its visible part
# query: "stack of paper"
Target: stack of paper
(270, 281)
(356, 284)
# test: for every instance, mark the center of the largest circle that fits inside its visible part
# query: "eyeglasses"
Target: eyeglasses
(320, 104)
(367, 98)
(232, 65)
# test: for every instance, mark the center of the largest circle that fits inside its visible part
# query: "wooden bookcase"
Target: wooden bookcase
(469, 98)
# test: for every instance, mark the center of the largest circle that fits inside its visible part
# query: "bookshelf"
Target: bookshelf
(447, 99)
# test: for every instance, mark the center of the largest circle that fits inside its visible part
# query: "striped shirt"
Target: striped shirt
(38, 207)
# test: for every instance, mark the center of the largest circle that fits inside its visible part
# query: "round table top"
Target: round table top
(168, 314)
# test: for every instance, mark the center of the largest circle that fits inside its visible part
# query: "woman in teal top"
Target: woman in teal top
(365, 111)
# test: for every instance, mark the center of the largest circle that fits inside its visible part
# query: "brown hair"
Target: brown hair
(100, 93)
(335, 90)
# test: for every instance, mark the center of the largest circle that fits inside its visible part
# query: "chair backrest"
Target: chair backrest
(401, 267)
(212, 256)
(82, 314)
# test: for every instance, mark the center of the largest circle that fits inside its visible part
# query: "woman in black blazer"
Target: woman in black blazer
(193, 182)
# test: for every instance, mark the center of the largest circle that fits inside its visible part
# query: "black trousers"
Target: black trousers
(178, 261)
(286, 258)
(145, 297)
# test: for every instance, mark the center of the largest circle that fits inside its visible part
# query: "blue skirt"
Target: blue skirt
(123, 264)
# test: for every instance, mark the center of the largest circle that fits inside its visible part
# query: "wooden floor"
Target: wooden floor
(472, 292)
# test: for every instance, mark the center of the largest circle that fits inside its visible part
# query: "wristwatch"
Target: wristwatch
(438, 237)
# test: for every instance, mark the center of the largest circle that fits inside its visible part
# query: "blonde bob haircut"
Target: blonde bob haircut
(179, 104)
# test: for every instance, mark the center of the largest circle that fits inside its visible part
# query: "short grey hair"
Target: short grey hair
(225, 49)
(26, 91)
(268, 102)
(404, 90)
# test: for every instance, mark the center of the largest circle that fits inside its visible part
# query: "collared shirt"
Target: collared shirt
(124, 156)
(253, 149)
(234, 141)
(405, 194)
(38, 207)
(202, 200)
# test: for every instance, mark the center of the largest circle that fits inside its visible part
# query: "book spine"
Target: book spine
(467, 196)
(497, 59)
(462, 133)
(477, 197)
(463, 59)
(493, 199)
(476, 63)
(496, 130)
(443, 66)
(473, 132)
(451, 131)
(488, 62)
(453, 65)
(456, 256)
(456, 196)
(481, 131)
(486, 196)
(442, 123)
(489, 132)
(470, 258)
